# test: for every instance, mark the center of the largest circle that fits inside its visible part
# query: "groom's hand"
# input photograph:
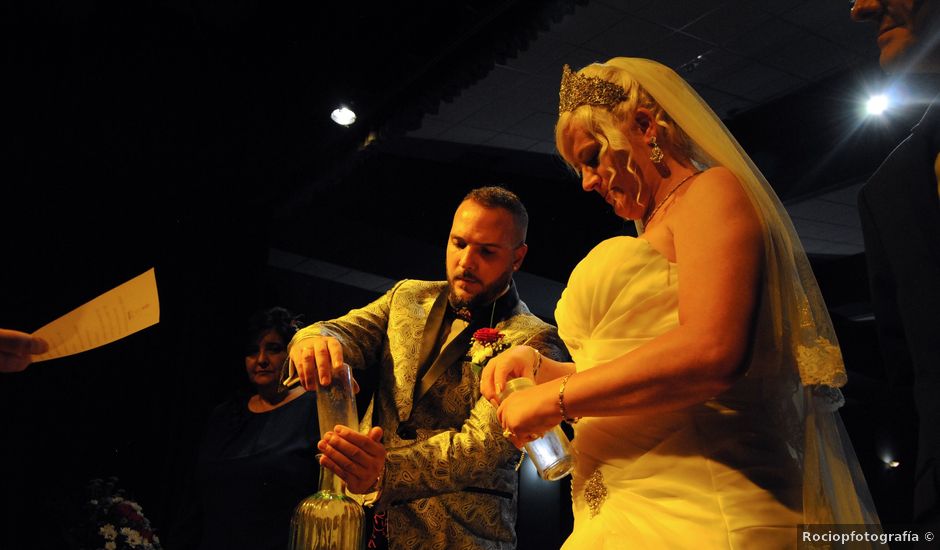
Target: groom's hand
(356, 458)
(314, 358)
(515, 362)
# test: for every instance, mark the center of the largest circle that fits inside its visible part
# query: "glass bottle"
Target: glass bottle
(329, 519)
(552, 453)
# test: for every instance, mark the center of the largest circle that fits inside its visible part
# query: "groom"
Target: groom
(442, 473)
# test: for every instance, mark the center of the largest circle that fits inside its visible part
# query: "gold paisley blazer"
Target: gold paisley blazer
(450, 479)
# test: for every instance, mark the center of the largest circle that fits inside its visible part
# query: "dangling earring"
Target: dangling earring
(656, 153)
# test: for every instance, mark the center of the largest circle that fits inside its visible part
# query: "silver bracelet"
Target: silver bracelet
(561, 402)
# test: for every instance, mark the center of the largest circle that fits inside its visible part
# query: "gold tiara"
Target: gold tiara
(577, 90)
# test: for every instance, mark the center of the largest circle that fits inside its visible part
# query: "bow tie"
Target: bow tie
(462, 313)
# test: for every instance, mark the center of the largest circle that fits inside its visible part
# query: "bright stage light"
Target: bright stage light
(889, 460)
(877, 104)
(343, 116)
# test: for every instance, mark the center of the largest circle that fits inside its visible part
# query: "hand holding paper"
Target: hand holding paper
(16, 348)
(121, 311)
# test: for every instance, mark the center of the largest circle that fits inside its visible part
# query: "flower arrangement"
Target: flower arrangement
(115, 522)
(484, 345)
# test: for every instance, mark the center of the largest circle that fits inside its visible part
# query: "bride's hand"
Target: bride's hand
(516, 362)
(526, 415)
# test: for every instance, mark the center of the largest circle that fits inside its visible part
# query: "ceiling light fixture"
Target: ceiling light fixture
(343, 116)
(877, 104)
(693, 64)
(889, 460)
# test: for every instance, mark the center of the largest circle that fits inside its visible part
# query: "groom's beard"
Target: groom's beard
(486, 296)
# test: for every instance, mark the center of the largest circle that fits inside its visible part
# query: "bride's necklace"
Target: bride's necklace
(669, 194)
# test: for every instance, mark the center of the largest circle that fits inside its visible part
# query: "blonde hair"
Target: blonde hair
(609, 125)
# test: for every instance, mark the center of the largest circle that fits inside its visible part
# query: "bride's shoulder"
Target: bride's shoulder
(716, 176)
(718, 194)
(715, 186)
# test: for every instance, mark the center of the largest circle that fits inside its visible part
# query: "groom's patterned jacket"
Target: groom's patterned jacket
(450, 479)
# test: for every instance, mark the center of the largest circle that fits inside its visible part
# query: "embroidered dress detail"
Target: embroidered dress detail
(595, 492)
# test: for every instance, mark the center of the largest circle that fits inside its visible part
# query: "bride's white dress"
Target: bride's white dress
(714, 475)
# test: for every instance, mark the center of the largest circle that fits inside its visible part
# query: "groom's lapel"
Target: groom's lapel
(428, 346)
(453, 351)
(432, 330)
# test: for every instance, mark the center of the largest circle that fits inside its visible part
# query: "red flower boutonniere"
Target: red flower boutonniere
(484, 345)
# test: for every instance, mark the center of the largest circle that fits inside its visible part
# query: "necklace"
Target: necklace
(666, 198)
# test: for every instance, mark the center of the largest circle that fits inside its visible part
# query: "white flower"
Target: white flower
(133, 537)
(108, 532)
(110, 545)
(481, 355)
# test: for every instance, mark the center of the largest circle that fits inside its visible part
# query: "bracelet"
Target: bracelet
(561, 402)
(538, 364)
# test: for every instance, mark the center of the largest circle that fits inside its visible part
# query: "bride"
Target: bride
(704, 387)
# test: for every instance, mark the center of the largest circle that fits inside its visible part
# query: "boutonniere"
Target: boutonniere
(484, 345)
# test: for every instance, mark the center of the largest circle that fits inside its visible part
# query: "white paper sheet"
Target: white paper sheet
(117, 313)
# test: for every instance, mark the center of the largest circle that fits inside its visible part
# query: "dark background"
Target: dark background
(190, 137)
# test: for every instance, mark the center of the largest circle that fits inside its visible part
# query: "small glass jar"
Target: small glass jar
(552, 453)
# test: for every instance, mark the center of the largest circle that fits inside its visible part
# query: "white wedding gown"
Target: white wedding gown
(713, 475)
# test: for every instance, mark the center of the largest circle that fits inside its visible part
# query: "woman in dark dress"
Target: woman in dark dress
(257, 459)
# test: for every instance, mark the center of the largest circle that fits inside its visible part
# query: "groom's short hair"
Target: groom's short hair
(497, 197)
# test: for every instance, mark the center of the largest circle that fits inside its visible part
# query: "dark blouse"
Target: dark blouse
(253, 470)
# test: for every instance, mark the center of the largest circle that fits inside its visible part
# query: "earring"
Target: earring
(656, 153)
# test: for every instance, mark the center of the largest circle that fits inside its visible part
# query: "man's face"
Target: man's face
(483, 251)
(907, 32)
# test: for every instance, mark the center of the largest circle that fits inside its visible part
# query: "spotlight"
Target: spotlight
(877, 104)
(343, 116)
(889, 460)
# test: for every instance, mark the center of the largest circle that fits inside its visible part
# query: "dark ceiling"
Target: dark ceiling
(195, 135)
